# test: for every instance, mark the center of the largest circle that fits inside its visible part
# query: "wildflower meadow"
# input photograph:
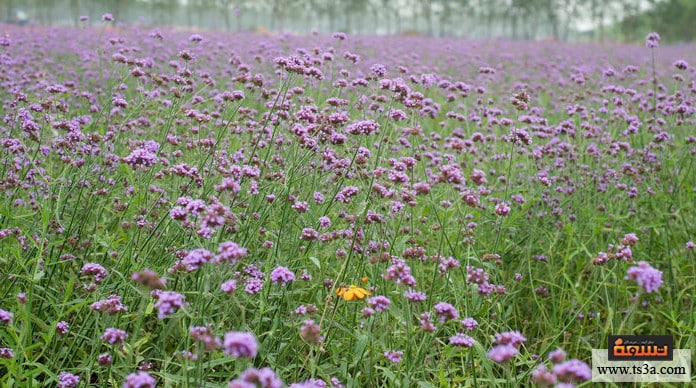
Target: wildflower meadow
(208, 209)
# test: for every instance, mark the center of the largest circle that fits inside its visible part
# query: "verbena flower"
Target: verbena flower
(6, 316)
(168, 302)
(502, 353)
(62, 327)
(240, 344)
(252, 378)
(310, 332)
(557, 356)
(139, 379)
(114, 336)
(572, 371)
(542, 377)
(94, 270)
(469, 324)
(394, 356)
(104, 359)
(652, 40)
(461, 339)
(446, 311)
(646, 276)
(229, 286)
(6, 353)
(112, 305)
(67, 380)
(282, 275)
(379, 302)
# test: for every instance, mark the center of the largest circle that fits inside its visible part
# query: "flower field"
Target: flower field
(247, 210)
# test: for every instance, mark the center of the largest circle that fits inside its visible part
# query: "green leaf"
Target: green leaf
(315, 261)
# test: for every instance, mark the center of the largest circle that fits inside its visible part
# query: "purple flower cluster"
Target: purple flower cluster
(252, 377)
(461, 339)
(114, 336)
(168, 302)
(394, 356)
(507, 345)
(379, 302)
(67, 380)
(446, 311)
(282, 275)
(112, 305)
(646, 276)
(240, 344)
(6, 317)
(139, 379)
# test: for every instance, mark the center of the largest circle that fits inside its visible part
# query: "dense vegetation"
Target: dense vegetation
(181, 208)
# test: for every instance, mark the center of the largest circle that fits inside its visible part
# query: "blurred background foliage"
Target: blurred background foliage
(564, 20)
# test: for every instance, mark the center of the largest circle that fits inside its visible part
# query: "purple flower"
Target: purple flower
(111, 305)
(6, 316)
(426, 322)
(572, 370)
(196, 258)
(502, 353)
(415, 296)
(168, 302)
(95, 270)
(514, 338)
(681, 64)
(557, 356)
(324, 222)
(469, 324)
(240, 344)
(67, 380)
(252, 378)
(339, 35)
(364, 127)
(114, 336)
(230, 252)
(690, 245)
(318, 198)
(310, 332)
(446, 311)
(646, 276)
(347, 194)
(502, 209)
(394, 356)
(62, 327)
(282, 275)
(253, 286)
(400, 272)
(139, 379)
(142, 157)
(205, 335)
(6, 353)
(461, 339)
(309, 234)
(229, 286)
(105, 359)
(107, 17)
(652, 40)
(379, 302)
(542, 377)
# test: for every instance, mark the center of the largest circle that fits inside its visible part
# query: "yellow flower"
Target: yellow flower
(364, 279)
(352, 292)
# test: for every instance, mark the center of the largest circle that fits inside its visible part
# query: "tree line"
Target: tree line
(624, 20)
